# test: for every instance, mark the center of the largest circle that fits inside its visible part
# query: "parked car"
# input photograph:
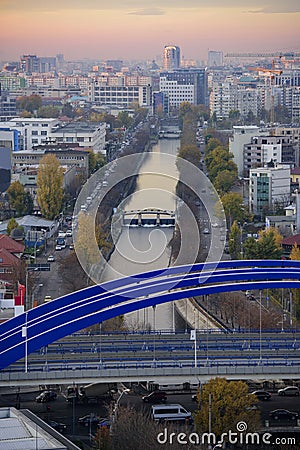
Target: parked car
(262, 395)
(46, 396)
(291, 391)
(50, 258)
(89, 419)
(283, 414)
(58, 426)
(155, 397)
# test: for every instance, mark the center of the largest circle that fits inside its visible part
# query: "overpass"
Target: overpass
(148, 217)
(49, 322)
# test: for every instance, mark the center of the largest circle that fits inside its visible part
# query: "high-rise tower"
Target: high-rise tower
(171, 57)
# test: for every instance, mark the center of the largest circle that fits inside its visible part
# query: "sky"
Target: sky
(139, 29)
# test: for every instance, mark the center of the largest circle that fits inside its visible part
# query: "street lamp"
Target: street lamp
(115, 409)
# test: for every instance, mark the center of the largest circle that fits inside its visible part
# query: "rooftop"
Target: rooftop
(22, 430)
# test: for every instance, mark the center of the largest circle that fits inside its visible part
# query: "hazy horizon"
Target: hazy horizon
(135, 30)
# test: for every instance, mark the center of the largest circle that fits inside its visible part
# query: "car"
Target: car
(195, 398)
(47, 298)
(206, 231)
(291, 391)
(46, 396)
(58, 426)
(155, 397)
(262, 395)
(58, 247)
(89, 419)
(50, 258)
(283, 414)
(69, 233)
(71, 247)
(61, 234)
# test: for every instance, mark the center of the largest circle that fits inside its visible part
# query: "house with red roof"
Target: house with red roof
(288, 243)
(10, 259)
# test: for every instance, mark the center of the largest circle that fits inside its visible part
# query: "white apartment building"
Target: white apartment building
(33, 131)
(241, 136)
(269, 186)
(88, 135)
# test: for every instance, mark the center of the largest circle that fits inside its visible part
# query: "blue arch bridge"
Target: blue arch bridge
(34, 330)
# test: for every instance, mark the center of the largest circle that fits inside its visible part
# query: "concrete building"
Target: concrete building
(122, 96)
(185, 85)
(88, 135)
(215, 58)
(7, 105)
(171, 57)
(5, 168)
(67, 157)
(241, 135)
(33, 131)
(264, 149)
(23, 430)
(269, 187)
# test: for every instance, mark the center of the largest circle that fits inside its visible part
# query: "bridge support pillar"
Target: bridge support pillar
(158, 219)
(139, 219)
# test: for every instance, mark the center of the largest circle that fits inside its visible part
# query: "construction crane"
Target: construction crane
(272, 72)
(290, 55)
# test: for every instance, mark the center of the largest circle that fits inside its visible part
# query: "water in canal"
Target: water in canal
(140, 249)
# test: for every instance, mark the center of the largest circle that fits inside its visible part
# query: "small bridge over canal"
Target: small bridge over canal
(148, 218)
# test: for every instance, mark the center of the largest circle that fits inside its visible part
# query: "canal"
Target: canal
(139, 249)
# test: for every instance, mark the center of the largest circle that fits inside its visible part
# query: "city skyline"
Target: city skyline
(134, 30)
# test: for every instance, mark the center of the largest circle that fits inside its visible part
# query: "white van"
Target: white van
(170, 413)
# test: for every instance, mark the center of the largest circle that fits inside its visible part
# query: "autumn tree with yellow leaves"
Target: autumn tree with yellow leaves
(50, 186)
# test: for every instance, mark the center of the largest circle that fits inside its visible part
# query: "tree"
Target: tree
(266, 247)
(224, 181)
(124, 119)
(12, 224)
(29, 205)
(295, 253)
(48, 111)
(17, 197)
(227, 403)
(29, 103)
(191, 153)
(50, 186)
(233, 207)
(234, 243)
(96, 161)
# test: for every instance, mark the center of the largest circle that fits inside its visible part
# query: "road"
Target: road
(61, 411)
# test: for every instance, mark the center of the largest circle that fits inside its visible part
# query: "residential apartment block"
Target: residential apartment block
(269, 187)
(185, 85)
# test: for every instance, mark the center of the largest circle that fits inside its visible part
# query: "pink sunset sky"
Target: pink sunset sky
(139, 29)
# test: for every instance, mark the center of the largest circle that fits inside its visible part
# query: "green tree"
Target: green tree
(233, 207)
(17, 197)
(250, 248)
(266, 247)
(29, 205)
(190, 153)
(50, 186)
(227, 403)
(29, 103)
(234, 243)
(96, 161)
(224, 181)
(11, 225)
(124, 119)
(48, 111)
